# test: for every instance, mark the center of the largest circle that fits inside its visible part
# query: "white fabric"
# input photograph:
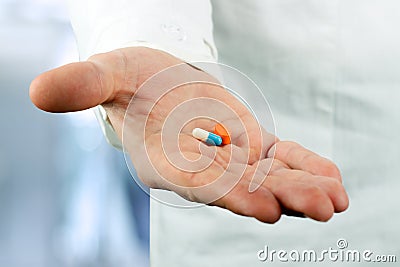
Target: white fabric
(107, 127)
(182, 28)
(331, 72)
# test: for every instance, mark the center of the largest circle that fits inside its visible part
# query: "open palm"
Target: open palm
(257, 175)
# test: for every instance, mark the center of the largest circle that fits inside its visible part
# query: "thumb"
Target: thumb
(73, 87)
(99, 80)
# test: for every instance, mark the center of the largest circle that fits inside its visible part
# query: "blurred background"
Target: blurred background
(66, 196)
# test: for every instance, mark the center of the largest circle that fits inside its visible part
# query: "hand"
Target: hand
(290, 178)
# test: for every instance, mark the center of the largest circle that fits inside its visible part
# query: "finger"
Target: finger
(332, 187)
(298, 157)
(300, 197)
(262, 169)
(260, 204)
(77, 86)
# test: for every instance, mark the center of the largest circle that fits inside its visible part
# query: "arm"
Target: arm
(299, 181)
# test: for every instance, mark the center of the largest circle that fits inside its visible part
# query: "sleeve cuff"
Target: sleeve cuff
(107, 128)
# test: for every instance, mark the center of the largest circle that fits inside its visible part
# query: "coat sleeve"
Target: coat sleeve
(182, 28)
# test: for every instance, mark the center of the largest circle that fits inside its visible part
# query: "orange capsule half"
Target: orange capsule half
(221, 131)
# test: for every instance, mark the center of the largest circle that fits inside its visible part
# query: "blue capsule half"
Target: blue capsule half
(207, 137)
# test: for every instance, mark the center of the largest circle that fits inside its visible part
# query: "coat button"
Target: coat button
(174, 31)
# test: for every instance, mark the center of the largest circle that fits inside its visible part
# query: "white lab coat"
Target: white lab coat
(331, 73)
